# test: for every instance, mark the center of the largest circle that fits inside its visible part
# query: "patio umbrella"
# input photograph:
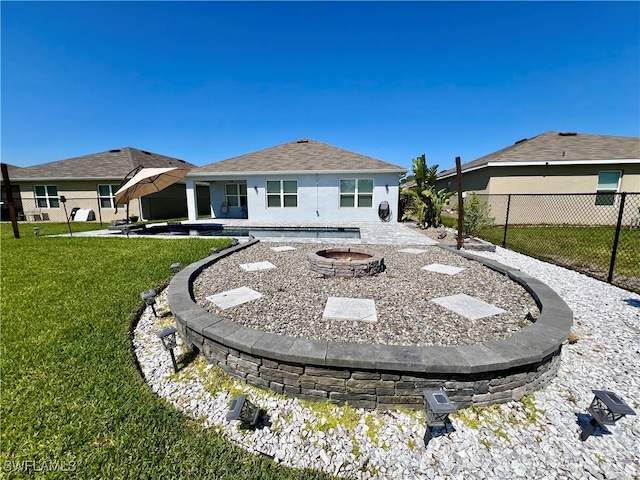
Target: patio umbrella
(147, 181)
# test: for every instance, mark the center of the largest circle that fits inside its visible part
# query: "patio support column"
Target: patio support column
(192, 200)
(211, 200)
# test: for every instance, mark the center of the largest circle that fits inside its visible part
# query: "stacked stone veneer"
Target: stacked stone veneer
(364, 262)
(378, 376)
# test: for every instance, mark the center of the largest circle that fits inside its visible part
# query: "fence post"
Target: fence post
(460, 203)
(614, 249)
(506, 222)
(9, 193)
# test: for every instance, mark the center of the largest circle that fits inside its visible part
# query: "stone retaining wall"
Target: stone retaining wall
(378, 376)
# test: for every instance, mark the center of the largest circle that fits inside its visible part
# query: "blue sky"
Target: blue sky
(206, 81)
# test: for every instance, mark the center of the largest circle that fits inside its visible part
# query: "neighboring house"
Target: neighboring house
(90, 182)
(555, 162)
(299, 181)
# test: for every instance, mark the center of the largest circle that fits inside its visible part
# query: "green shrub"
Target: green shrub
(476, 215)
(451, 222)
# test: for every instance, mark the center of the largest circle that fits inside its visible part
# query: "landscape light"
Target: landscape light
(243, 410)
(169, 342)
(606, 409)
(176, 267)
(149, 297)
(437, 408)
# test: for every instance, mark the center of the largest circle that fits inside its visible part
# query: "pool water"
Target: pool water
(264, 232)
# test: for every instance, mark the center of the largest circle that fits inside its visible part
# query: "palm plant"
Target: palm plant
(423, 201)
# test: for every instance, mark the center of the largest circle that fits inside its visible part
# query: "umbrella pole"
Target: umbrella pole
(127, 212)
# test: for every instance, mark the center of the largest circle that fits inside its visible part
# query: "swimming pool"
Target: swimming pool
(217, 230)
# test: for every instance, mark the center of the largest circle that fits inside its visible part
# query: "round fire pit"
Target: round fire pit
(346, 262)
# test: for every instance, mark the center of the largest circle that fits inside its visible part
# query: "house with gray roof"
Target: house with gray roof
(300, 181)
(90, 182)
(552, 163)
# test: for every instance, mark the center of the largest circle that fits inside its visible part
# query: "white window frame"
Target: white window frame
(602, 191)
(48, 199)
(112, 195)
(281, 194)
(356, 193)
(238, 195)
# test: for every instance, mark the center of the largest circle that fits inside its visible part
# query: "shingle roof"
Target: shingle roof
(561, 147)
(12, 170)
(298, 156)
(113, 164)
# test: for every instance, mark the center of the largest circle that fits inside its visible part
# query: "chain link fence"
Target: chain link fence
(80, 212)
(596, 234)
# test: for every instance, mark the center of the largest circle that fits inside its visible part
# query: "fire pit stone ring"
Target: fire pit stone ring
(348, 262)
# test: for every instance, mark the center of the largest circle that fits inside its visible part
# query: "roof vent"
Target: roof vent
(115, 150)
(145, 152)
(567, 134)
(303, 140)
(520, 141)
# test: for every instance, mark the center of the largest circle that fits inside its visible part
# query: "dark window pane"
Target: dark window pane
(365, 186)
(290, 186)
(365, 201)
(290, 200)
(605, 199)
(273, 200)
(347, 200)
(273, 186)
(347, 186)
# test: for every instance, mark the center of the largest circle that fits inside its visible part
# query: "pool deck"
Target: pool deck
(371, 233)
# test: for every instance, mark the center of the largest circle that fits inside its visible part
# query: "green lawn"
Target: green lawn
(70, 390)
(586, 249)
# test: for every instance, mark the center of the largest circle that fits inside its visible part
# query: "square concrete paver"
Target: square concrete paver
(252, 267)
(234, 297)
(282, 249)
(439, 268)
(412, 250)
(467, 306)
(341, 308)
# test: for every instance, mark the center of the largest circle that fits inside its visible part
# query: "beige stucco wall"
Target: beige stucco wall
(81, 194)
(542, 179)
(556, 179)
(531, 202)
(169, 203)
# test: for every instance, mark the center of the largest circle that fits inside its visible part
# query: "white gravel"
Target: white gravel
(537, 438)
